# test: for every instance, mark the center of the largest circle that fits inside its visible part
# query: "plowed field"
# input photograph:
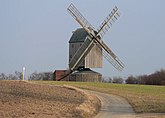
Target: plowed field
(21, 100)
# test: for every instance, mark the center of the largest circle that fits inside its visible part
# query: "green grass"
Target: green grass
(143, 98)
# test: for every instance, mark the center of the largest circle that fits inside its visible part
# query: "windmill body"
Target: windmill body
(92, 60)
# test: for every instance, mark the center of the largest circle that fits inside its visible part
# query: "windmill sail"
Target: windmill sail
(114, 61)
(89, 42)
(94, 38)
(79, 18)
(112, 58)
(108, 22)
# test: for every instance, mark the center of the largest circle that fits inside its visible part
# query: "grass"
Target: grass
(143, 98)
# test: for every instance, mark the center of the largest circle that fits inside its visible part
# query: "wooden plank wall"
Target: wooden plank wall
(92, 60)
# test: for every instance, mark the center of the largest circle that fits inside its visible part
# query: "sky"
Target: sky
(35, 34)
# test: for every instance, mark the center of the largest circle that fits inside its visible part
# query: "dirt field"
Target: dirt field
(21, 100)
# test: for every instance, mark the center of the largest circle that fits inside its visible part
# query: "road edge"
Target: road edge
(90, 107)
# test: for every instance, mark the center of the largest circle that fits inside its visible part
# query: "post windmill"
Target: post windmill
(86, 46)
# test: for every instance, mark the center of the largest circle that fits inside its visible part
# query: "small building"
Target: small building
(81, 75)
(86, 75)
(58, 74)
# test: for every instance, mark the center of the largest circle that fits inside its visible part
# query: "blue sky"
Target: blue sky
(35, 34)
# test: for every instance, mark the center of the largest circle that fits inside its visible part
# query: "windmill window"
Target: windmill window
(80, 44)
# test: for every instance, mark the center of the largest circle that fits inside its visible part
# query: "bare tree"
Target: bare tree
(3, 76)
(18, 75)
(132, 80)
(104, 79)
(41, 76)
(110, 80)
(118, 80)
(156, 78)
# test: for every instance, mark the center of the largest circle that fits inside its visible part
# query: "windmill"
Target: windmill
(93, 41)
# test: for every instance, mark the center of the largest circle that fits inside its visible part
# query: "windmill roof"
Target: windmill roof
(78, 36)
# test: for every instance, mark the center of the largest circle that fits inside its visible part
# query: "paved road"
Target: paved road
(117, 107)
(113, 106)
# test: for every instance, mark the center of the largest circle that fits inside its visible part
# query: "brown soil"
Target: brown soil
(20, 99)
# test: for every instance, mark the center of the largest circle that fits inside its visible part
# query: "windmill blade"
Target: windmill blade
(108, 22)
(112, 58)
(94, 38)
(80, 18)
(108, 54)
(114, 61)
(81, 53)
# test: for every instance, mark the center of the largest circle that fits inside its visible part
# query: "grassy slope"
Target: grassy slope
(144, 99)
